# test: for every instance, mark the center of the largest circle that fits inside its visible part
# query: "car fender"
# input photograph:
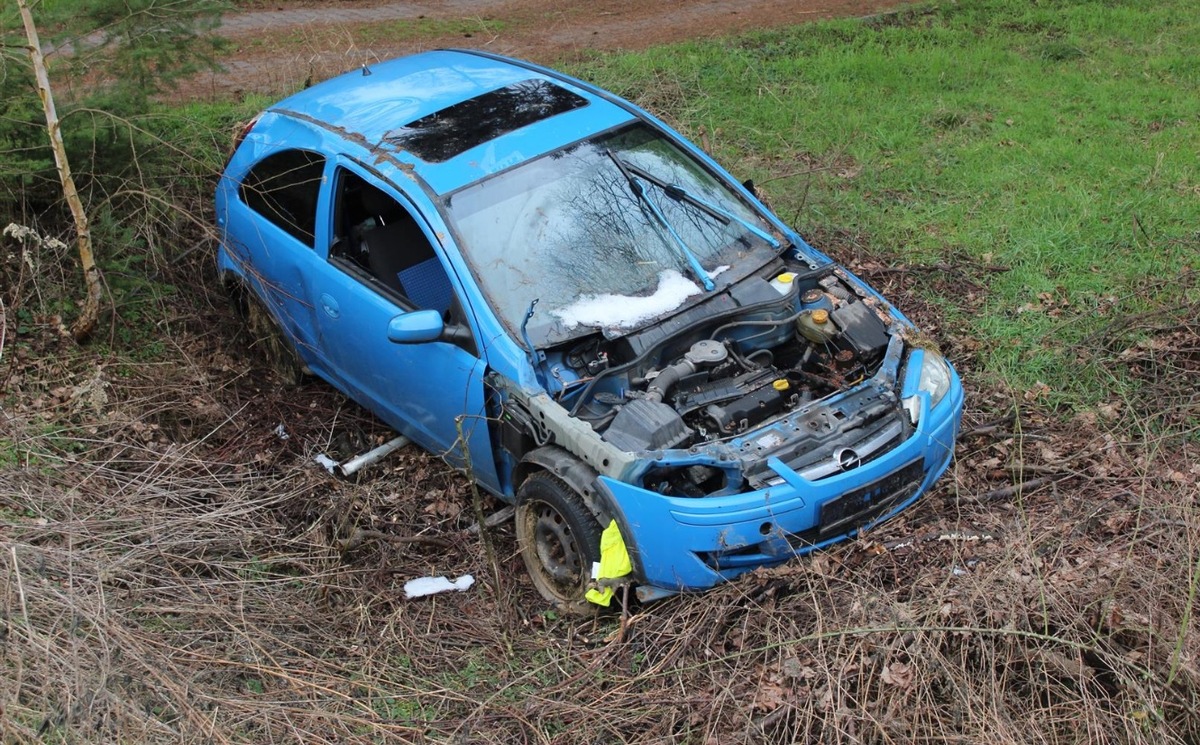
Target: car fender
(577, 474)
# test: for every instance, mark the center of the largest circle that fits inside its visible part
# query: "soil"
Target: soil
(280, 45)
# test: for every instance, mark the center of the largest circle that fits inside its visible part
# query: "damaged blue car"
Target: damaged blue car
(551, 289)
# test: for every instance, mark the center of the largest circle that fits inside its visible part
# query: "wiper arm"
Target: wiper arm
(639, 191)
(721, 215)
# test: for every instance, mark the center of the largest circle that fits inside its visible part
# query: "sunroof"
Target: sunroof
(455, 129)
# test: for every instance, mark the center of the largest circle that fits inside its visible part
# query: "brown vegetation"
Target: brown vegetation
(175, 571)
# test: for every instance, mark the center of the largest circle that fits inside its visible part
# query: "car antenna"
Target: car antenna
(366, 70)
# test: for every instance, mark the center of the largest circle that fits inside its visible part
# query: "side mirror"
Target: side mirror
(416, 327)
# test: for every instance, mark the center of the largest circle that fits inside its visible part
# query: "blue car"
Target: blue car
(555, 292)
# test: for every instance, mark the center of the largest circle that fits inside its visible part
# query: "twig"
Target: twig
(991, 427)
(361, 535)
(491, 521)
(477, 504)
(938, 267)
(3, 327)
(624, 612)
(1029, 485)
(791, 174)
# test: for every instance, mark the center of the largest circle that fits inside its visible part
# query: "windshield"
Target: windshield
(570, 231)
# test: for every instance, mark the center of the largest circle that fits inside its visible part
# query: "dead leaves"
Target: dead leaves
(795, 683)
(771, 694)
(441, 504)
(1053, 304)
(898, 674)
(783, 685)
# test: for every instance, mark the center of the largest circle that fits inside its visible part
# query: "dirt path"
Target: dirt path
(279, 46)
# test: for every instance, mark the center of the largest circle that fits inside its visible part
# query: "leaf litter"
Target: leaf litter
(174, 571)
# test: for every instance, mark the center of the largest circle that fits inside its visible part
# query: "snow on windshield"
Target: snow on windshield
(610, 311)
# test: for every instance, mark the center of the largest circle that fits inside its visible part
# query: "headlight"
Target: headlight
(935, 377)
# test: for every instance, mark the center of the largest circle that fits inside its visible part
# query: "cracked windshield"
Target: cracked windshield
(606, 233)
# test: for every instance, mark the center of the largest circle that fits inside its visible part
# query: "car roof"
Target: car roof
(369, 107)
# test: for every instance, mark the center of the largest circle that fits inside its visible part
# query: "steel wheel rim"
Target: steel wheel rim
(556, 547)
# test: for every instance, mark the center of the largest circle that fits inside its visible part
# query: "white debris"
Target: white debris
(324, 461)
(22, 234)
(624, 311)
(280, 432)
(422, 586)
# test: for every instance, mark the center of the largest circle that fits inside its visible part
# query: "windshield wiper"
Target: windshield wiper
(721, 215)
(640, 192)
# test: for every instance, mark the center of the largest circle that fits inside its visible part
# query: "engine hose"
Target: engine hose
(770, 357)
(666, 380)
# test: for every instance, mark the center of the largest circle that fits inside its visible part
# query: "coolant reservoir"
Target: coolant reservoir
(815, 326)
(783, 283)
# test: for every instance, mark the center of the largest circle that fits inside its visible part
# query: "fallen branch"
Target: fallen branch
(493, 520)
(992, 426)
(1030, 485)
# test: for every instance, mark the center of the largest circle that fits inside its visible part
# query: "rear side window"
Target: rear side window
(283, 188)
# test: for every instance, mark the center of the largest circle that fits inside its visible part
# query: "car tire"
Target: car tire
(268, 340)
(559, 539)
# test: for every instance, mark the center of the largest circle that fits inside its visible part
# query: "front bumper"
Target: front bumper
(683, 544)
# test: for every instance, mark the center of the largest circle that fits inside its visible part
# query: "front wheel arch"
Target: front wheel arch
(574, 472)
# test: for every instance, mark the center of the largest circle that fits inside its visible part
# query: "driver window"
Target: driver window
(378, 236)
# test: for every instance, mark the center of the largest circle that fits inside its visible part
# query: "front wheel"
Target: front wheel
(559, 538)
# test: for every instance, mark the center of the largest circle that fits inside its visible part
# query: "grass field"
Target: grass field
(1057, 140)
(1020, 177)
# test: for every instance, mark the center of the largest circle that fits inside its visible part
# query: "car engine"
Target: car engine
(758, 350)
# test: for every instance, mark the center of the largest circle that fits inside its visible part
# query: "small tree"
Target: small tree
(86, 323)
(119, 54)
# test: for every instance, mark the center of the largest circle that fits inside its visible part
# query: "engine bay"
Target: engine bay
(766, 346)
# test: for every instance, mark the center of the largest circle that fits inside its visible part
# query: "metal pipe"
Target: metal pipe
(358, 462)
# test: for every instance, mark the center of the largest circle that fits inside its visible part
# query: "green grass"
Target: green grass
(1057, 139)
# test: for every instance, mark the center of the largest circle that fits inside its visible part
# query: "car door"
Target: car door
(383, 261)
(274, 213)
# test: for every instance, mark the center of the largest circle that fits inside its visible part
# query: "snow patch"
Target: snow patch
(625, 311)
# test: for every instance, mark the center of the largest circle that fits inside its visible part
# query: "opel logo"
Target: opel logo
(848, 459)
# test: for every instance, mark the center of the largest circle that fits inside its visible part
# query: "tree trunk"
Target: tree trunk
(86, 323)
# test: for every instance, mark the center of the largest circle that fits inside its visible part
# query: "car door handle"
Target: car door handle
(330, 304)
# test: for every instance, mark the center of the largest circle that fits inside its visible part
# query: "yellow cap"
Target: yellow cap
(781, 385)
(820, 315)
(785, 278)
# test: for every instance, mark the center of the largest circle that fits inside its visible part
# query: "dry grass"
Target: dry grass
(173, 571)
